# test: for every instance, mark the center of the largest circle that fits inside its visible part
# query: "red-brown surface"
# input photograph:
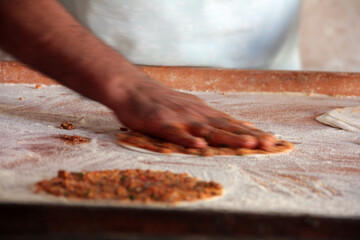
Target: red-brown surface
(14, 72)
(209, 79)
(203, 79)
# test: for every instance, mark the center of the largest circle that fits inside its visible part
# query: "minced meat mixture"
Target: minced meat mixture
(130, 185)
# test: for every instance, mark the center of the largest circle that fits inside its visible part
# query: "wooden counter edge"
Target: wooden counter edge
(220, 80)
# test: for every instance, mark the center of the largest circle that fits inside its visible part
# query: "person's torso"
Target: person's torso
(219, 33)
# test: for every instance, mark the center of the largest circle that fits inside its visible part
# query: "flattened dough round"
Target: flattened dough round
(141, 142)
(344, 118)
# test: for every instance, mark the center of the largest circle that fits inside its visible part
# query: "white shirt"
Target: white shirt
(203, 33)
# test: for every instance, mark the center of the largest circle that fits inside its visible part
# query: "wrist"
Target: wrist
(117, 88)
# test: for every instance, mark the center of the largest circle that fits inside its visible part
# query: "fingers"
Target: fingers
(242, 123)
(265, 140)
(219, 138)
(169, 115)
(177, 134)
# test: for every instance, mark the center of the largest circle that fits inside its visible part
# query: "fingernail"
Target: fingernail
(249, 141)
(200, 143)
(266, 141)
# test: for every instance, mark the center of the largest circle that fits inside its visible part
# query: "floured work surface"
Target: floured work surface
(322, 176)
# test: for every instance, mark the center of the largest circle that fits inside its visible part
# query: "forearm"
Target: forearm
(43, 35)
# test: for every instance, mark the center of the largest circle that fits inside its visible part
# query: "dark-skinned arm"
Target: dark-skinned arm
(44, 36)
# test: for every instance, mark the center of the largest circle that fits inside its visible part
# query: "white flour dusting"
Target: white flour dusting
(322, 176)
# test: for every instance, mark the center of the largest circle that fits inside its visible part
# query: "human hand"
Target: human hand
(74, 57)
(184, 119)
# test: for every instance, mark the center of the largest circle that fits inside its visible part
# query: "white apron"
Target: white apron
(204, 33)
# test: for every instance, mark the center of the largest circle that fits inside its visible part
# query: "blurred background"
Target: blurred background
(330, 35)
